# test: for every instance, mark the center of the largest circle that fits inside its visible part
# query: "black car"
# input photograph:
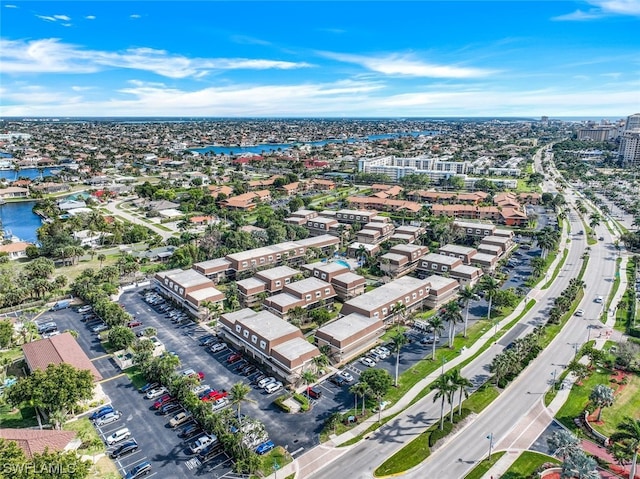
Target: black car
(247, 370)
(168, 408)
(124, 448)
(258, 378)
(210, 451)
(337, 380)
(148, 387)
(189, 431)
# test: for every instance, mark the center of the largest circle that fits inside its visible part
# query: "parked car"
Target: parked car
(119, 435)
(142, 469)
(189, 431)
(124, 449)
(147, 387)
(338, 380)
(206, 340)
(234, 358)
(216, 348)
(314, 392)
(191, 373)
(263, 382)
(215, 395)
(108, 418)
(162, 401)
(265, 447)
(347, 376)
(202, 442)
(99, 328)
(179, 419)
(273, 387)
(84, 309)
(134, 324)
(368, 361)
(200, 388)
(210, 451)
(219, 403)
(103, 411)
(169, 408)
(156, 392)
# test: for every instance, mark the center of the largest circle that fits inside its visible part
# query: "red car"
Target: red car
(162, 401)
(214, 395)
(234, 358)
(134, 324)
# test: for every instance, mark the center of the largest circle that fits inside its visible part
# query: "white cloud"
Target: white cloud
(53, 56)
(62, 17)
(404, 65)
(90, 17)
(135, 15)
(603, 8)
(11, 6)
(47, 18)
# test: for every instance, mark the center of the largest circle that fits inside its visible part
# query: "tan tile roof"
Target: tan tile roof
(35, 441)
(62, 348)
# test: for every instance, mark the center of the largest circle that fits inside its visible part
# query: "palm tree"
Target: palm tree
(101, 258)
(436, 324)
(5, 362)
(490, 286)
(320, 361)
(451, 315)
(579, 466)
(238, 395)
(601, 396)
(466, 294)
(398, 339)
(398, 310)
(462, 384)
(563, 443)
(628, 432)
(308, 377)
(442, 386)
(362, 389)
(594, 220)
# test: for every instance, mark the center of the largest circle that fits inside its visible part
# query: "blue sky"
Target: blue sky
(338, 59)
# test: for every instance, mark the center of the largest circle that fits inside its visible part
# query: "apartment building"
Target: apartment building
(486, 261)
(353, 250)
(346, 284)
(188, 288)
(476, 229)
(349, 336)
(300, 217)
(503, 242)
(402, 259)
(278, 346)
(354, 216)
(267, 282)
(383, 204)
(375, 232)
(453, 267)
(407, 234)
(397, 168)
(465, 253)
(308, 293)
(214, 269)
(247, 201)
(325, 271)
(321, 226)
(443, 197)
(412, 292)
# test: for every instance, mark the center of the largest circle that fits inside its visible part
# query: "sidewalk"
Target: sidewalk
(308, 462)
(531, 425)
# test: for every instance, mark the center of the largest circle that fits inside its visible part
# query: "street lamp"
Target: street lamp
(554, 378)
(490, 437)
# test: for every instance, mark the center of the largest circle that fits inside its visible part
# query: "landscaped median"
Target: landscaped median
(528, 464)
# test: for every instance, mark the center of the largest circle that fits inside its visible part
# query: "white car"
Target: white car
(219, 403)
(99, 328)
(202, 442)
(384, 350)
(108, 418)
(599, 299)
(84, 309)
(216, 348)
(368, 361)
(157, 392)
(273, 387)
(347, 376)
(579, 312)
(119, 435)
(263, 382)
(200, 388)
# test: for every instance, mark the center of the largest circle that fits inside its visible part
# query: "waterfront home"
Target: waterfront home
(14, 192)
(15, 250)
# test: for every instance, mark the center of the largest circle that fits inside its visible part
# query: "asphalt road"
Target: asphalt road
(471, 445)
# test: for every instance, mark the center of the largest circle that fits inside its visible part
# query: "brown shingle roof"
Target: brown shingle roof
(62, 348)
(35, 441)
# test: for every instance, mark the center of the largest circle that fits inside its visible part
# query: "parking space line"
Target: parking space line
(111, 378)
(101, 357)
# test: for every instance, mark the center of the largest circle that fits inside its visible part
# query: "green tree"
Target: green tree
(462, 384)
(379, 382)
(6, 334)
(579, 466)
(121, 337)
(360, 389)
(489, 285)
(238, 394)
(443, 387)
(601, 396)
(60, 465)
(398, 311)
(466, 294)
(563, 443)
(436, 324)
(451, 315)
(628, 433)
(58, 388)
(398, 340)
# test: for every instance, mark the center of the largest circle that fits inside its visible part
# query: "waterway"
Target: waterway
(31, 173)
(271, 147)
(19, 220)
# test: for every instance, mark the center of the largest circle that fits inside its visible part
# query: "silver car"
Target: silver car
(109, 418)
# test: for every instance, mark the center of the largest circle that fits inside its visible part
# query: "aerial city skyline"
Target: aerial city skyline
(249, 59)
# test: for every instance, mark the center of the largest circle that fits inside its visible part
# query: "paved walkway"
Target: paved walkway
(310, 461)
(539, 417)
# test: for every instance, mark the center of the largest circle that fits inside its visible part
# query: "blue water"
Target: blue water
(31, 173)
(271, 147)
(19, 220)
(343, 263)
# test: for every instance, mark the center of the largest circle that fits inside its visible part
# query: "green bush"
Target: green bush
(280, 403)
(304, 402)
(438, 433)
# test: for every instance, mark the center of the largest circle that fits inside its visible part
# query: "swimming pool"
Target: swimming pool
(343, 263)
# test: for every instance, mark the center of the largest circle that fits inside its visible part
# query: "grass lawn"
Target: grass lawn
(556, 272)
(136, 377)
(277, 456)
(87, 434)
(527, 464)
(17, 418)
(626, 401)
(579, 397)
(409, 456)
(480, 399)
(480, 470)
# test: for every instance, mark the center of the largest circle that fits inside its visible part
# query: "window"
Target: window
(181, 290)
(253, 262)
(324, 275)
(414, 296)
(271, 258)
(421, 292)
(384, 311)
(315, 273)
(261, 260)
(308, 297)
(244, 264)
(254, 338)
(278, 256)
(287, 281)
(238, 328)
(434, 266)
(327, 290)
(376, 315)
(425, 264)
(444, 268)
(318, 294)
(278, 283)
(263, 345)
(245, 333)
(406, 299)
(478, 232)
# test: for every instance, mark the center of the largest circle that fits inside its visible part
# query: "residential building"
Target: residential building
(253, 290)
(14, 192)
(269, 340)
(16, 250)
(444, 197)
(450, 266)
(188, 288)
(214, 269)
(353, 250)
(348, 285)
(308, 294)
(48, 187)
(465, 253)
(247, 201)
(397, 168)
(40, 441)
(383, 204)
(59, 349)
(630, 147)
(504, 242)
(486, 261)
(354, 216)
(349, 336)
(476, 229)
(321, 226)
(375, 232)
(300, 217)
(407, 234)
(402, 259)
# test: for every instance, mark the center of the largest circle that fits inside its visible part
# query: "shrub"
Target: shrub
(280, 403)
(304, 402)
(438, 433)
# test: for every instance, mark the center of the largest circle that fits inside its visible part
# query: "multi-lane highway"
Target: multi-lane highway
(503, 417)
